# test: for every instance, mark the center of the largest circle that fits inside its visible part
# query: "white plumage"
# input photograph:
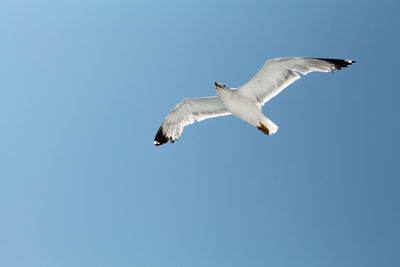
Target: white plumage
(246, 101)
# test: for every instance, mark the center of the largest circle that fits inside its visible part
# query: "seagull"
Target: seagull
(246, 101)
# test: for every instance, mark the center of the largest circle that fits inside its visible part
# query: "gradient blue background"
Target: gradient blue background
(84, 86)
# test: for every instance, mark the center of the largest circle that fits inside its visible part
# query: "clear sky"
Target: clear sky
(84, 86)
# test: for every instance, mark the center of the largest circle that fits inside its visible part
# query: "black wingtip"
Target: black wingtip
(338, 63)
(160, 137)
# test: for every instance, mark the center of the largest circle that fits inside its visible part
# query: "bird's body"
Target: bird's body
(246, 101)
(245, 108)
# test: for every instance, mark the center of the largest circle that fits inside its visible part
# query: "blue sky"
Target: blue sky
(86, 84)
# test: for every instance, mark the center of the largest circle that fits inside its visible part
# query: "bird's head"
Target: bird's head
(219, 86)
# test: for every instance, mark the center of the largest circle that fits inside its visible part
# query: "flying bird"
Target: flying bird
(246, 101)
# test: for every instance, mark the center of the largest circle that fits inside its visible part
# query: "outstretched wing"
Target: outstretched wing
(279, 73)
(187, 112)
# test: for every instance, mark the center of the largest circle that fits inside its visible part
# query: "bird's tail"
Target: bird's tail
(267, 126)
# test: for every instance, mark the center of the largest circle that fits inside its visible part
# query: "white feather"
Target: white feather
(279, 73)
(190, 110)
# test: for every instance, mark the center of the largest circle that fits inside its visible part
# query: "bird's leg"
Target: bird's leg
(172, 140)
(263, 128)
